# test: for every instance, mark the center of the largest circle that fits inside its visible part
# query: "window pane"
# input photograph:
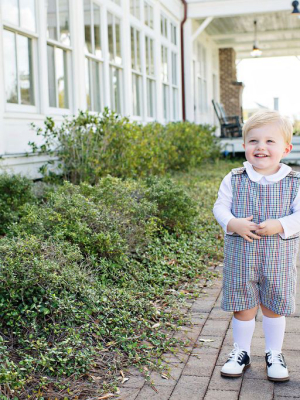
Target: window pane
(151, 57)
(87, 26)
(61, 78)
(51, 20)
(10, 11)
(25, 69)
(136, 91)
(175, 104)
(151, 17)
(87, 84)
(27, 15)
(97, 36)
(138, 51)
(174, 68)
(115, 85)
(164, 63)
(96, 86)
(118, 41)
(64, 22)
(132, 48)
(150, 97)
(110, 36)
(137, 9)
(165, 100)
(51, 76)
(10, 67)
(132, 7)
(147, 55)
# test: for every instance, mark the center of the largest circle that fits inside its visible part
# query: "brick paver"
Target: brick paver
(195, 375)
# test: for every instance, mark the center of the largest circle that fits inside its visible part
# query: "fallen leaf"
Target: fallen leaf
(206, 340)
(125, 380)
(106, 396)
(164, 376)
(155, 325)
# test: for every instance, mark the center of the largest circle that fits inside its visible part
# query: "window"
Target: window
(58, 52)
(164, 26)
(135, 8)
(148, 14)
(173, 34)
(18, 47)
(165, 81)
(150, 77)
(115, 62)
(93, 60)
(136, 72)
(174, 86)
(202, 79)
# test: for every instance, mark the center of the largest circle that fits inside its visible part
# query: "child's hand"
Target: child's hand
(243, 227)
(269, 227)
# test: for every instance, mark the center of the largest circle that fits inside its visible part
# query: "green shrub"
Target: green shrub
(56, 316)
(91, 146)
(15, 191)
(176, 209)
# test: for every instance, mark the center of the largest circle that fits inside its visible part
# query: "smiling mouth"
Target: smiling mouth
(260, 155)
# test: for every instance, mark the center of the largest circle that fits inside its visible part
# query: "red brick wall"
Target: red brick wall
(230, 89)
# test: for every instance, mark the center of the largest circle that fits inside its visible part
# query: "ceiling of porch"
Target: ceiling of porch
(278, 31)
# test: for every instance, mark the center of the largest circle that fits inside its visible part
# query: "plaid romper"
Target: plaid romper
(263, 271)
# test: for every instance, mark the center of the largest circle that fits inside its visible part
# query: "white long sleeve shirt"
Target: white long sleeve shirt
(222, 207)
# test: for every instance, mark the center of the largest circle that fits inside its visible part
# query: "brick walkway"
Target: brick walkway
(196, 373)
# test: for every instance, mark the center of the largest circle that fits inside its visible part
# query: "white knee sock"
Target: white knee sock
(243, 332)
(274, 332)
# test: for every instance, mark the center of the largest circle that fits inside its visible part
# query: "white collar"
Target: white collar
(256, 176)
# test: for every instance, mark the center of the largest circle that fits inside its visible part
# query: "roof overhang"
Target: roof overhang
(229, 8)
(231, 25)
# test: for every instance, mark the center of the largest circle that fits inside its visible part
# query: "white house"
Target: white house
(58, 56)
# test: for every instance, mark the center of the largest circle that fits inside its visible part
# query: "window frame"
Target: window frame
(69, 67)
(135, 73)
(34, 36)
(150, 78)
(111, 63)
(91, 57)
(201, 77)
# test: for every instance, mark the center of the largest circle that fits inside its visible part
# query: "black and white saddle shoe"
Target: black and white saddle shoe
(238, 361)
(276, 367)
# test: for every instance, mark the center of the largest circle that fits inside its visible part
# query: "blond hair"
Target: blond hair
(266, 117)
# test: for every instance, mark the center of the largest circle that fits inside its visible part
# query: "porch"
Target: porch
(229, 24)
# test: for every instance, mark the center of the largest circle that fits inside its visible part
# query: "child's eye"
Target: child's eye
(252, 141)
(271, 141)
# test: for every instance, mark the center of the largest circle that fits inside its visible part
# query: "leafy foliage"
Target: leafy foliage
(90, 146)
(15, 191)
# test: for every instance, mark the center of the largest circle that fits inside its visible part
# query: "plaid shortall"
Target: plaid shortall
(263, 271)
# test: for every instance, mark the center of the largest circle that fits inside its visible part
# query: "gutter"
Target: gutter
(182, 58)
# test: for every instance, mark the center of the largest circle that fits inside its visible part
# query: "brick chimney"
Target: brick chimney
(230, 90)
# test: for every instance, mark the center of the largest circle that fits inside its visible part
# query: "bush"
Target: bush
(91, 146)
(15, 191)
(57, 318)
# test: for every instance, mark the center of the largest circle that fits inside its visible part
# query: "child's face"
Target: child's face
(265, 147)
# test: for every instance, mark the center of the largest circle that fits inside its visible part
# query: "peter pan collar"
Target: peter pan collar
(256, 177)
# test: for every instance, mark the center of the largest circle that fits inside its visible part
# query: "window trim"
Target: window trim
(17, 107)
(69, 58)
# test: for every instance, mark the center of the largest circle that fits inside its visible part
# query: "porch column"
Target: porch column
(230, 90)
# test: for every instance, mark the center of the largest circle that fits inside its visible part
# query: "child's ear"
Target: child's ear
(288, 149)
(244, 145)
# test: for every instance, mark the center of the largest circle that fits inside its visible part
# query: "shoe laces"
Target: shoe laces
(274, 357)
(236, 354)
